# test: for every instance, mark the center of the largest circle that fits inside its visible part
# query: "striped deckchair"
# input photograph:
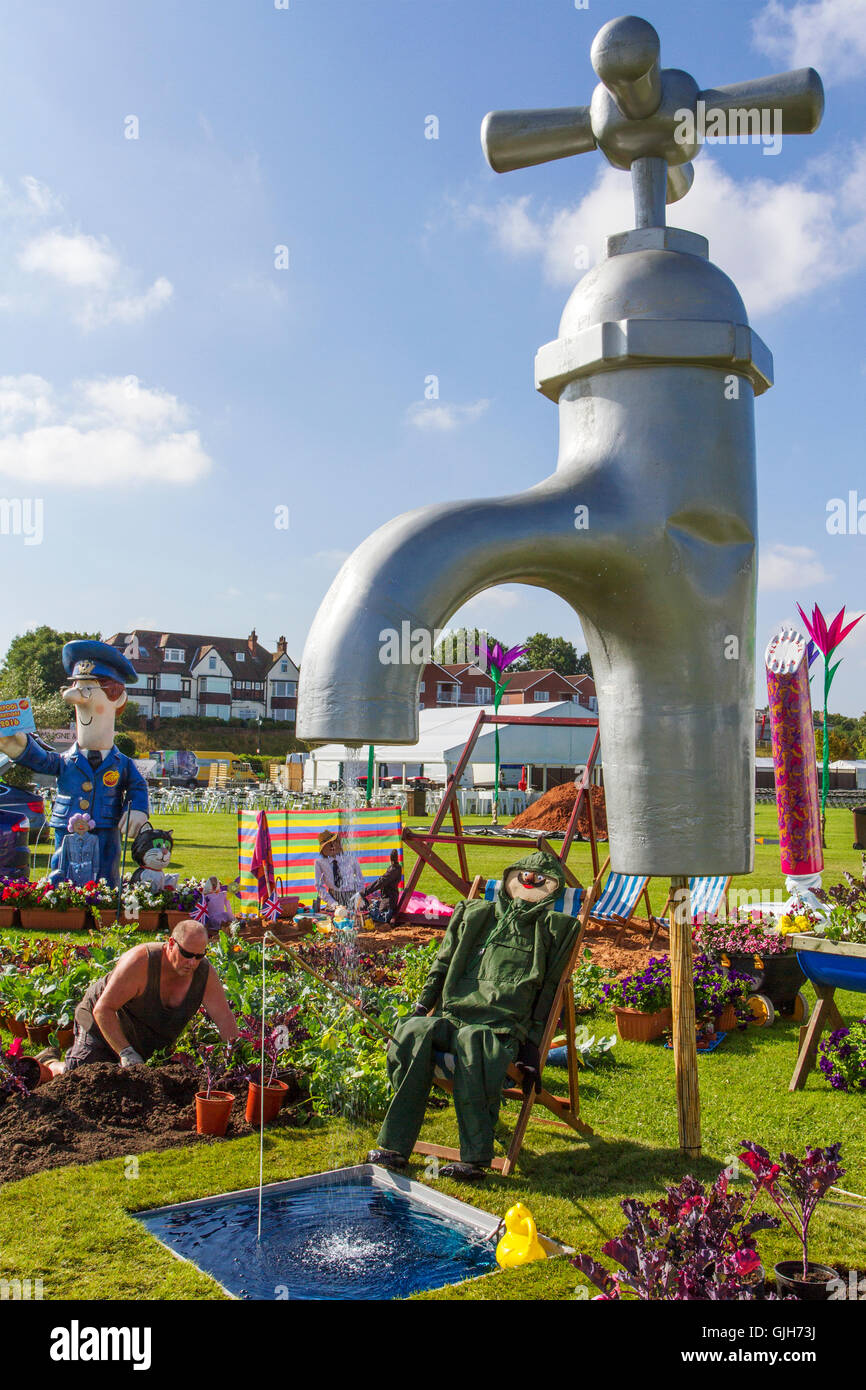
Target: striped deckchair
(370, 831)
(618, 900)
(568, 901)
(706, 897)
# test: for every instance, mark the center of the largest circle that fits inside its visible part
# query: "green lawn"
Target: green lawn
(71, 1227)
(208, 845)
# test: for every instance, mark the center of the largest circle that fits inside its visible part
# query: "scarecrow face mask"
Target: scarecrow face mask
(529, 886)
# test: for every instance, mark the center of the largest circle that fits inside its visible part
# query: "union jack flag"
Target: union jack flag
(199, 912)
(271, 909)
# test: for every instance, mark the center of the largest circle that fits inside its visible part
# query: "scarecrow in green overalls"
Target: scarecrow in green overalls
(492, 985)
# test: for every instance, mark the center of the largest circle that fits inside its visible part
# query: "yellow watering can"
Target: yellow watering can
(520, 1244)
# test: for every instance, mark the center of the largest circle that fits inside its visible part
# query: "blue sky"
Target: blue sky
(165, 387)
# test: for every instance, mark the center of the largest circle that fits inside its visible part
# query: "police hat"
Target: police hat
(89, 658)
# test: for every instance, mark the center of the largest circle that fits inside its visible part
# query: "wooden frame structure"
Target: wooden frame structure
(826, 1013)
(566, 1112)
(423, 844)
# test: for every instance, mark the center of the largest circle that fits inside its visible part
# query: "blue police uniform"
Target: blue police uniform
(104, 792)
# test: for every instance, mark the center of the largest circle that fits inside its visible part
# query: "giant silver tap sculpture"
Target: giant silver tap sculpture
(655, 371)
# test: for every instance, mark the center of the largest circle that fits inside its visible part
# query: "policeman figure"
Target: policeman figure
(94, 777)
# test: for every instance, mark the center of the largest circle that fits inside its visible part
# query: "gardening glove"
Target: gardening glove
(529, 1062)
(418, 1011)
(130, 1058)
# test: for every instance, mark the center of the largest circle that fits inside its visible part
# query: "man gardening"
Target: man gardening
(492, 985)
(144, 1003)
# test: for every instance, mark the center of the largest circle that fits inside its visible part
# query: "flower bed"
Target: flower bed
(843, 1057)
(642, 1002)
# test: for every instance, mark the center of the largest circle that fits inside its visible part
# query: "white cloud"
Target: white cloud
(434, 415)
(65, 267)
(790, 567)
(332, 557)
(106, 433)
(829, 35)
(78, 260)
(778, 241)
(502, 599)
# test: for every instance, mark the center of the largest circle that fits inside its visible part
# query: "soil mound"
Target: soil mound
(105, 1111)
(552, 812)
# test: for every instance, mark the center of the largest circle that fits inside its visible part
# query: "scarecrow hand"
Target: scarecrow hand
(529, 1062)
(131, 822)
(418, 1011)
(13, 744)
(130, 1058)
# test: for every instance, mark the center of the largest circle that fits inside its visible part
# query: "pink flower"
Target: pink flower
(746, 1261)
(826, 638)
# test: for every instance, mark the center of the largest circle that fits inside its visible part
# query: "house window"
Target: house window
(422, 687)
(184, 687)
(540, 696)
(483, 694)
(284, 666)
(211, 663)
(285, 688)
(239, 656)
(447, 692)
(202, 685)
(167, 711)
(174, 653)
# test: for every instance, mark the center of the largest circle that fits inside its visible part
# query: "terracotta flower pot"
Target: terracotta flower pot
(817, 1289)
(39, 1033)
(7, 916)
(727, 1019)
(633, 1025)
(64, 1038)
(18, 1030)
(52, 919)
(171, 919)
(45, 1073)
(149, 921)
(104, 918)
(274, 1095)
(212, 1111)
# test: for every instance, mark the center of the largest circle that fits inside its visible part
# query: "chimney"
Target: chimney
(281, 646)
(252, 642)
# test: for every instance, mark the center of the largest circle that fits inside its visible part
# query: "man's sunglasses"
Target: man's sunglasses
(189, 955)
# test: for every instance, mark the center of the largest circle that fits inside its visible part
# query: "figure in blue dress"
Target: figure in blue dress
(78, 856)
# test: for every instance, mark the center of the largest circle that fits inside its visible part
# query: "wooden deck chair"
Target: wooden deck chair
(577, 902)
(706, 895)
(618, 901)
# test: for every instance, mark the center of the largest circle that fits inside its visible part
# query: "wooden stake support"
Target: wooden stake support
(684, 1029)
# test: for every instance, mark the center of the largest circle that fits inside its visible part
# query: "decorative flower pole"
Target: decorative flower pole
(496, 661)
(827, 639)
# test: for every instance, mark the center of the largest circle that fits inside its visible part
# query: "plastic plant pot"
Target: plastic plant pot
(789, 1279)
(633, 1025)
(39, 1033)
(274, 1095)
(212, 1112)
(53, 919)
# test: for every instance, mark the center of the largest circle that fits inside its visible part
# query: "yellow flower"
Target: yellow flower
(801, 922)
(786, 923)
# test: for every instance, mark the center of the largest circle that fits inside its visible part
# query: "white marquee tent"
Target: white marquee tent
(442, 737)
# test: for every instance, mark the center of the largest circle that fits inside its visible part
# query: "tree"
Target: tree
(124, 744)
(544, 651)
(461, 645)
(34, 656)
(583, 667)
(842, 745)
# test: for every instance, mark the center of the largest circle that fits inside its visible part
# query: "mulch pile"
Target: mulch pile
(632, 955)
(552, 812)
(105, 1111)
